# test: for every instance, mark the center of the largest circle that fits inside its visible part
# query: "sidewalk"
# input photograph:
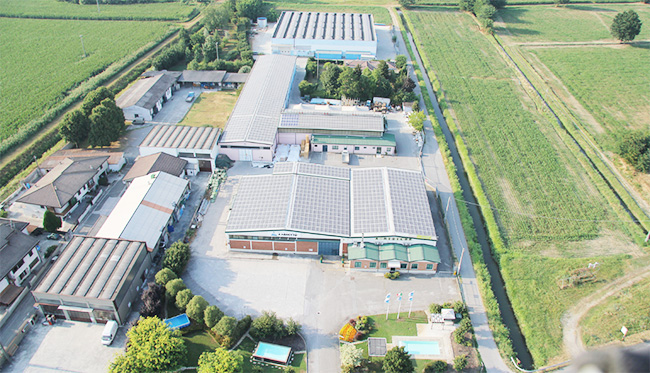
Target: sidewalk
(436, 176)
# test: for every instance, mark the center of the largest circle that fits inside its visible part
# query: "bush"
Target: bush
(211, 316)
(436, 366)
(306, 88)
(460, 362)
(173, 287)
(242, 327)
(183, 298)
(152, 300)
(400, 61)
(293, 327)
(51, 222)
(289, 369)
(435, 308)
(196, 308)
(226, 327)
(459, 307)
(268, 327)
(397, 360)
(164, 276)
(176, 257)
(392, 275)
(50, 250)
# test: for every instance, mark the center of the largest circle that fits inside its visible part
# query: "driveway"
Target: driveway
(175, 109)
(320, 296)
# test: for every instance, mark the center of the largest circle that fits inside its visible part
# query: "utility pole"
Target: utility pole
(217, 46)
(97, 6)
(82, 45)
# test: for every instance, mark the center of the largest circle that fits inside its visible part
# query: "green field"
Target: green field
(547, 207)
(381, 14)
(513, 2)
(42, 59)
(602, 324)
(60, 9)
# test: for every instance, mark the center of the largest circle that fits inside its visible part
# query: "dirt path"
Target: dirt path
(572, 333)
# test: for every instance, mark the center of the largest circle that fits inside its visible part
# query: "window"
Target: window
(373, 265)
(135, 115)
(335, 147)
(357, 264)
(382, 265)
(414, 266)
(403, 265)
(356, 148)
(429, 266)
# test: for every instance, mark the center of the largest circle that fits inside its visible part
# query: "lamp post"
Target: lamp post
(82, 45)
(97, 6)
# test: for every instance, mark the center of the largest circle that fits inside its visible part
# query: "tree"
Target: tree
(211, 316)
(330, 78)
(436, 366)
(626, 26)
(312, 68)
(293, 327)
(380, 85)
(196, 308)
(174, 286)
(51, 222)
(226, 326)
(106, 123)
(466, 5)
(176, 257)
(306, 88)
(164, 276)
(397, 360)
(268, 326)
(499, 4)
(217, 18)
(633, 146)
(408, 85)
(244, 70)
(250, 9)
(406, 3)
(210, 49)
(74, 127)
(94, 99)
(221, 361)
(349, 82)
(416, 120)
(152, 300)
(183, 297)
(460, 362)
(400, 61)
(350, 355)
(151, 347)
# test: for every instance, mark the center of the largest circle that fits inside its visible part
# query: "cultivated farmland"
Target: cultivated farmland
(548, 206)
(65, 10)
(381, 14)
(42, 59)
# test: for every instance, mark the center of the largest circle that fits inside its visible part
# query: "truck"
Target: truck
(110, 330)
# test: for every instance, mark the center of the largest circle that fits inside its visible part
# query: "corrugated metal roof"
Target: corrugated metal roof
(325, 26)
(235, 78)
(91, 267)
(332, 121)
(256, 115)
(386, 140)
(146, 91)
(182, 137)
(207, 76)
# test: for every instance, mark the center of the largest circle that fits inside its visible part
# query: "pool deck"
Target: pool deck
(431, 332)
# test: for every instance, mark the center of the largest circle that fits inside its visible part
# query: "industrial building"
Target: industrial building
(196, 145)
(145, 98)
(314, 209)
(94, 280)
(324, 35)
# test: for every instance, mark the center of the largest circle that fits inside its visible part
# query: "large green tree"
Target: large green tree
(397, 360)
(196, 308)
(106, 123)
(151, 347)
(250, 9)
(221, 361)
(176, 257)
(51, 222)
(416, 120)
(268, 326)
(330, 78)
(217, 17)
(350, 82)
(74, 127)
(626, 26)
(95, 98)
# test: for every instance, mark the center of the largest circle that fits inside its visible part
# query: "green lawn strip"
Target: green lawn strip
(65, 10)
(382, 328)
(602, 324)
(380, 14)
(197, 343)
(246, 350)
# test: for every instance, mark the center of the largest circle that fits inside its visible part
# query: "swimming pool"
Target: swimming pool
(421, 347)
(273, 352)
(178, 322)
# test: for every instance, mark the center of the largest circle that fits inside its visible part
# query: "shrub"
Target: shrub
(174, 286)
(164, 276)
(51, 222)
(293, 327)
(196, 308)
(436, 366)
(226, 326)
(459, 307)
(176, 257)
(242, 326)
(50, 250)
(392, 275)
(152, 300)
(435, 308)
(183, 298)
(4, 213)
(397, 360)
(211, 316)
(268, 326)
(460, 362)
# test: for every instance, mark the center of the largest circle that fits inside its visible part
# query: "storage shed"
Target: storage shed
(146, 97)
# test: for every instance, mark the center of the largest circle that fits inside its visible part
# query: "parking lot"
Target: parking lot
(175, 109)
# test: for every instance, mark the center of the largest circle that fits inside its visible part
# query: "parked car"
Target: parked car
(138, 121)
(53, 236)
(190, 97)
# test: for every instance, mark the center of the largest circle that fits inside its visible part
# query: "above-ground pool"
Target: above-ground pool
(421, 347)
(178, 322)
(275, 353)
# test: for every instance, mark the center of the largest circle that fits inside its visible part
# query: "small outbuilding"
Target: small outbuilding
(148, 164)
(146, 97)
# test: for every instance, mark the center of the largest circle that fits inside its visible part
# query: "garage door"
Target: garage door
(205, 166)
(246, 155)
(328, 247)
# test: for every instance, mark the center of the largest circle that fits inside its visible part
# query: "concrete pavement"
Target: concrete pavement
(436, 175)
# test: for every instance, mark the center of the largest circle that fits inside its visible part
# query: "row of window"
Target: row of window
(385, 265)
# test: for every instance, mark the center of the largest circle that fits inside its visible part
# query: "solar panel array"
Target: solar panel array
(261, 202)
(321, 205)
(322, 170)
(411, 212)
(329, 121)
(256, 115)
(325, 26)
(369, 214)
(284, 168)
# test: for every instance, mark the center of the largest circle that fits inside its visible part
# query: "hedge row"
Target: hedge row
(191, 15)
(24, 159)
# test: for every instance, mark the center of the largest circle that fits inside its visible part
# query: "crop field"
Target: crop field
(60, 9)
(547, 206)
(42, 59)
(381, 14)
(602, 324)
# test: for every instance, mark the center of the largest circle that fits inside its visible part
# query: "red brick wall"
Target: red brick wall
(262, 245)
(345, 249)
(304, 247)
(284, 246)
(240, 244)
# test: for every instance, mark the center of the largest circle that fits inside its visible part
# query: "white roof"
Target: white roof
(332, 121)
(182, 137)
(256, 115)
(325, 26)
(145, 208)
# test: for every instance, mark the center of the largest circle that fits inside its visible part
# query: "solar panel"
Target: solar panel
(368, 201)
(409, 202)
(283, 168)
(321, 205)
(322, 170)
(261, 202)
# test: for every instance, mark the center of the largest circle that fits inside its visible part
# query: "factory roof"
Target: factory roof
(325, 26)
(182, 137)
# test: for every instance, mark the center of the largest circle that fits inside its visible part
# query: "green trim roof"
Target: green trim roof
(386, 252)
(424, 253)
(386, 140)
(368, 251)
(393, 252)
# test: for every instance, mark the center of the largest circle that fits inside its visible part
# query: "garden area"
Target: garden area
(211, 109)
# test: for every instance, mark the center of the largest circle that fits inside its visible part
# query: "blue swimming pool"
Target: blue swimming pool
(178, 322)
(421, 347)
(273, 352)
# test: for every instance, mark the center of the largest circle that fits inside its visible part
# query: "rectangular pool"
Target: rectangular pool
(421, 347)
(269, 351)
(178, 322)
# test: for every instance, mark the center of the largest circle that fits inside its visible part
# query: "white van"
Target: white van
(110, 330)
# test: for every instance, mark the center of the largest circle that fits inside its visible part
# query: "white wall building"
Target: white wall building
(146, 97)
(18, 257)
(322, 35)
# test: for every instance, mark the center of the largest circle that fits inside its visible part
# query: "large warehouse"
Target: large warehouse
(322, 35)
(315, 209)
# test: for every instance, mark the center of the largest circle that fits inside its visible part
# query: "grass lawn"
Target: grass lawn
(602, 324)
(246, 350)
(59, 9)
(381, 14)
(211, 109)
(197, 343)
